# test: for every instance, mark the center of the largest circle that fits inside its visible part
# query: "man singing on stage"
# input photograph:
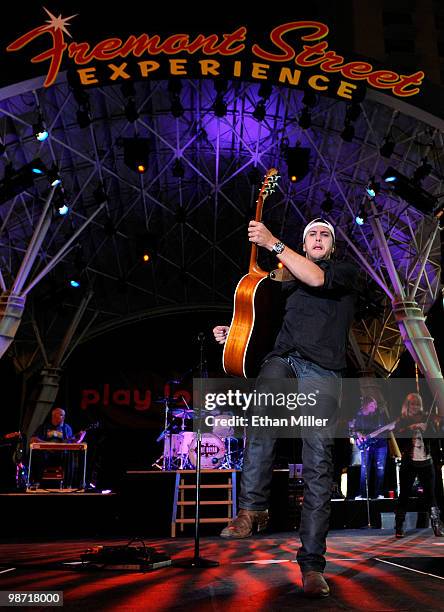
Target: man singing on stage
(311, 345)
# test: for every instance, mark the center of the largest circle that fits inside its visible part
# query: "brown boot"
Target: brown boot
(245, 524)
(314, 584)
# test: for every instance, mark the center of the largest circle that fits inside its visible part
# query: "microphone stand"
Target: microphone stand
(365, 455)
(196, 561)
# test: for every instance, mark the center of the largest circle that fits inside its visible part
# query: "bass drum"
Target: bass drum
(212, 451)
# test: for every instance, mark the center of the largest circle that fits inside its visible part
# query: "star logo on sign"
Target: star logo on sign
(58, 23)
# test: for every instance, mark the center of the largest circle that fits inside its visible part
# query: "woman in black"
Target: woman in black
(416, 462)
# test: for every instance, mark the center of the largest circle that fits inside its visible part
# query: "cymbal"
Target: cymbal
(182, 413)
(170, 400)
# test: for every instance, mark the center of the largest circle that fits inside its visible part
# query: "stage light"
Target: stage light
(177, 110)
(15, 182)
(327, 204)
(178, 169)
(259, 112)
(135, 154)
(220, 85)
(74, 283)
(309, 98)
(60, 203)
(265, 90)
(99, 195)
(297, 159)
(372, 188)
(54, 176)
(387, 147)
(280, 265)
(305, 119)
(361, 217)
(131, 112)
(353, 112)
(37, 166)
(174, 86)
(410, 191)
(40, 131)
(128, 90)
(146, 246)
(220, 106)
(348, 132)
(83, 117)
(422, 171)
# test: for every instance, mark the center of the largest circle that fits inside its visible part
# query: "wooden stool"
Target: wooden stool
(181, 487)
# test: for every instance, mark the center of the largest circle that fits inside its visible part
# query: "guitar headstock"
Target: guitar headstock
(270, 183)
(95, 425)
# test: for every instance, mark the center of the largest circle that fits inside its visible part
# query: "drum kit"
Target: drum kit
(219, 449)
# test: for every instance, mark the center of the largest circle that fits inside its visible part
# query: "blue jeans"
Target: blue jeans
(317, 458)
(375, 455)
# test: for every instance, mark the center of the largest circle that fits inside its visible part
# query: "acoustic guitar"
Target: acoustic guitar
(252, 330)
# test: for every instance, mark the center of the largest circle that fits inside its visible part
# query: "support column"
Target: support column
(411, 320)
(11, 311)
(47, 393)
(417, 339)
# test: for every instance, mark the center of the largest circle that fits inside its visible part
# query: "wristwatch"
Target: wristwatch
(278, 247)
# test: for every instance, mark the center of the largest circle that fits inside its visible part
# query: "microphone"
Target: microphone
(200, 337)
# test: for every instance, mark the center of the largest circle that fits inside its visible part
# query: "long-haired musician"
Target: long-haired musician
(416, 462)
(373, 450)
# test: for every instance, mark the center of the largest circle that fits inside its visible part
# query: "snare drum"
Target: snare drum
(212, 451)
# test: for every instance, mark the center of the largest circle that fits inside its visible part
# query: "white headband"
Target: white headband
(321, 223)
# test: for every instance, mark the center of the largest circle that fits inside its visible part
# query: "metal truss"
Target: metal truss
(199, 220)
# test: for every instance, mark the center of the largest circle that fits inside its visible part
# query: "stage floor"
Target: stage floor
(367, 570)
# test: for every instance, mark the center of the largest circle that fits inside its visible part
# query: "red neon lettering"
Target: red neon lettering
(288, 53)
(54, 54)
(400, 89)
(302, 59)
(357, 70)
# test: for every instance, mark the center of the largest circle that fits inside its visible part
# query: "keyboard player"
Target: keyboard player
(54, 430)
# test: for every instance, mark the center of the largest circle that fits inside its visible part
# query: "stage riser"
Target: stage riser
(143, 506)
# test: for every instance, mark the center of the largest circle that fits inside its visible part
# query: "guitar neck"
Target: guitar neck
(381, 430)
(268, 186)
(254, 267)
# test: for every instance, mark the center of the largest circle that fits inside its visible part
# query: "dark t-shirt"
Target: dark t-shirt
(49, 433)
(317, 319)
(367, 423)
